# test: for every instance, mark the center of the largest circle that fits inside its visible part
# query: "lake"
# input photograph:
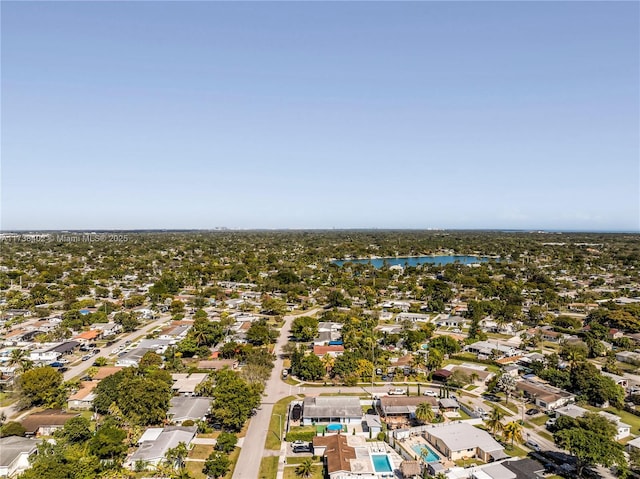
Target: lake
(416, 260)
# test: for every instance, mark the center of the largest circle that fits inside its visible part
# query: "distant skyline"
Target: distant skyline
(320, 115)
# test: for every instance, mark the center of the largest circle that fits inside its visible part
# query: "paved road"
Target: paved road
(79, 369)
(248, 464)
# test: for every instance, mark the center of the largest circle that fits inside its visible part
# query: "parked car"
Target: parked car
(86, 357)
(285, 373)
(532, 445)
(397, 391)
(301, 449)
(491, 397)
(532, 411)
(430, 393)
(56, 364)
(550, 423)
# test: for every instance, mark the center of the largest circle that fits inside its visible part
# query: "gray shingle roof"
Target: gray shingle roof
(331, 407)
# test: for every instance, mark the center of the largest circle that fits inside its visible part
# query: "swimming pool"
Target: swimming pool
(425, 452)
(381, 463)
(334, 427)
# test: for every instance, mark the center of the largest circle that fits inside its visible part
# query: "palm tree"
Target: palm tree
(512, 431)
(328, 362)
(305, 468)
(176, 455)
(20, 358)
(424, 412)
(495, 420)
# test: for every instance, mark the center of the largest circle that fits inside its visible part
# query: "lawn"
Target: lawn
(200, 451)
(268, 467)
(277, 424)
(298, 460)
(290, 472)
(468, 462)
(515, 451)
(540, 420)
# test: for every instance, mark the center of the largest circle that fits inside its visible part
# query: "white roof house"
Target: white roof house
(154, 446)
(461, 439)
(186, 384)
(188, 408)
(14, 454)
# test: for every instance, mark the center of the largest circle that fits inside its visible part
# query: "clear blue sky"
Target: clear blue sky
(320, 115)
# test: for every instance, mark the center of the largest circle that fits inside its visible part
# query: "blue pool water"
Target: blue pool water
(430, 456)
(416, 260)
(334, 427)
(381, 463)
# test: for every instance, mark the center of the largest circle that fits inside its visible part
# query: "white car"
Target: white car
(430, 393)
(397, 392)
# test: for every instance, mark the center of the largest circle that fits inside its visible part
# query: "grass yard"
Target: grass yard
(515, 451)
(277, 424)
(200, 451)
(193, 468)
(298, 460)
(546, 435)
(468, 462)
(268, 467)
(290, 472)
(540, 419)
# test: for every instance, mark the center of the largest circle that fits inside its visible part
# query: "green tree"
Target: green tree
(226, 442)
(304, 328)
(234, 401)
(217, 464)
(144, 401)
(446, 344)
(591, 439)
(12, 428)
(260, 333)
(75, 430)
(40, 387)
(108, 443)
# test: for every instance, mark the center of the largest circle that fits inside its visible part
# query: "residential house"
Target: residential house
(486, 349)
(398, 411)
(630, 357)
(574, 411)
(108, 329)
(413, 317)
(44, 355)
(372, 424)
(328, 409)
(460, 439)
(183, 408)
(67, 347)
(89, 336)
(14, 454)
(351, 457)
(544, 395)
(186, 384)
(217, 364)
(334, 351)
(45, 423)
(155, 442)
(83, 398)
